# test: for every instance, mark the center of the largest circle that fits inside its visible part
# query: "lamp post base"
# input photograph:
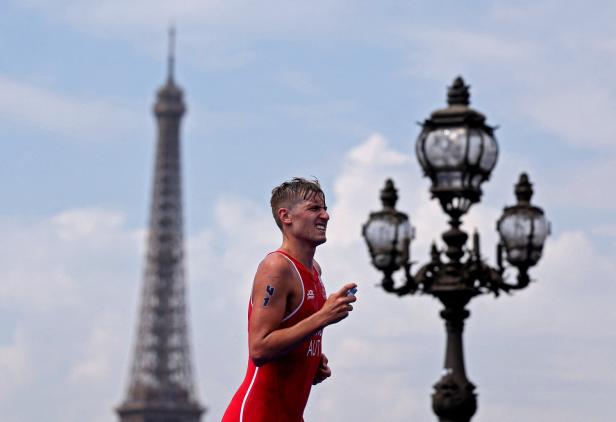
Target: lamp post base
(454, 400)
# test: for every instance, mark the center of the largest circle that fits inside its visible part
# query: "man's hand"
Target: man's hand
(323, 371)
(338, 305)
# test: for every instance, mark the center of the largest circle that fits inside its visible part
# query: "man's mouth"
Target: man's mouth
(320, 227)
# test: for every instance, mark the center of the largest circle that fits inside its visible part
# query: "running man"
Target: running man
(288, 311)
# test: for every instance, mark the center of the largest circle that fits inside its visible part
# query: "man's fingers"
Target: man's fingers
(323, 372)
(344, 289)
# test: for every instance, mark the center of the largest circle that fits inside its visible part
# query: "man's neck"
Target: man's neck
(299, 250)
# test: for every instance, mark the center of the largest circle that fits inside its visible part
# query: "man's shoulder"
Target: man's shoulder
(275, 271)
(275, 264)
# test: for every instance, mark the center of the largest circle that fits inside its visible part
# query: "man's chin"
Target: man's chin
(321, 241)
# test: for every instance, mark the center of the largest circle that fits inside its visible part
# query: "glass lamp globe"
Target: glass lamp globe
(523, 228)
(457, 151)
(388, 233)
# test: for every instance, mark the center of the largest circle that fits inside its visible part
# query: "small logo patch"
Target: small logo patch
(310, 294)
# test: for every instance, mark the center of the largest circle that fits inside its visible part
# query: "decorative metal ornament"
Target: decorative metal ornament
(457, 150)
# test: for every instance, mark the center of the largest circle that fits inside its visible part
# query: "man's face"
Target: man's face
(309, 219)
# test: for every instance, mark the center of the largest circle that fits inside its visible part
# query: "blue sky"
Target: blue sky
(277, 89)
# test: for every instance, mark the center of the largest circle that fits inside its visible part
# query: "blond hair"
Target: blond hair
(289, 193)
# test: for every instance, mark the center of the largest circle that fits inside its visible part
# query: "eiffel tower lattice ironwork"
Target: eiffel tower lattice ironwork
(161, 386)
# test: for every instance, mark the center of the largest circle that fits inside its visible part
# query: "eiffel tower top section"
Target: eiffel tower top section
(161, 386)
(169, 100)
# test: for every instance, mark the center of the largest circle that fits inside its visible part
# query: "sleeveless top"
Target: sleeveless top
(278, 390)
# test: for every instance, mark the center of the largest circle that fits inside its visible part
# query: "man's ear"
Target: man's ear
(284, 215)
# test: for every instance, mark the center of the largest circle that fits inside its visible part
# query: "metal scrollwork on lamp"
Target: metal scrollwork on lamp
(457, 150)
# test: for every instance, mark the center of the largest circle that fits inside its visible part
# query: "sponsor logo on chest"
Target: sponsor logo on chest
(310, 295)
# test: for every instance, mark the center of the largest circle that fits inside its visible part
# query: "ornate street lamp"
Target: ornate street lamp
(390, 234)
(523, 229)
(457, 150)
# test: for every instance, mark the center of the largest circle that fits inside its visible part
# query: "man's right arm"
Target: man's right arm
(272, 290)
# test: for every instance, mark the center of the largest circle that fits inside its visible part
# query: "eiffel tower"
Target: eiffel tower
(161, 387)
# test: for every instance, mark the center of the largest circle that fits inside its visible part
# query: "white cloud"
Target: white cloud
(374, 152)
(82, 119)
(42, 262)
(69, 287)
(579, 114)
(507, 12)
(439, 53)
(352, 188)
(248, 232)
(466, 45)
(551, 333)
(100, 351)
(80, 224)
(14, 371)
(586, 186)
(604, 230)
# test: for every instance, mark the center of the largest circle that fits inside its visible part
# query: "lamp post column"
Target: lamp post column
(454, 399)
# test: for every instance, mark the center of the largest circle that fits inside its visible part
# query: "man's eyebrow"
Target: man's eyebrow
(313, 203)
